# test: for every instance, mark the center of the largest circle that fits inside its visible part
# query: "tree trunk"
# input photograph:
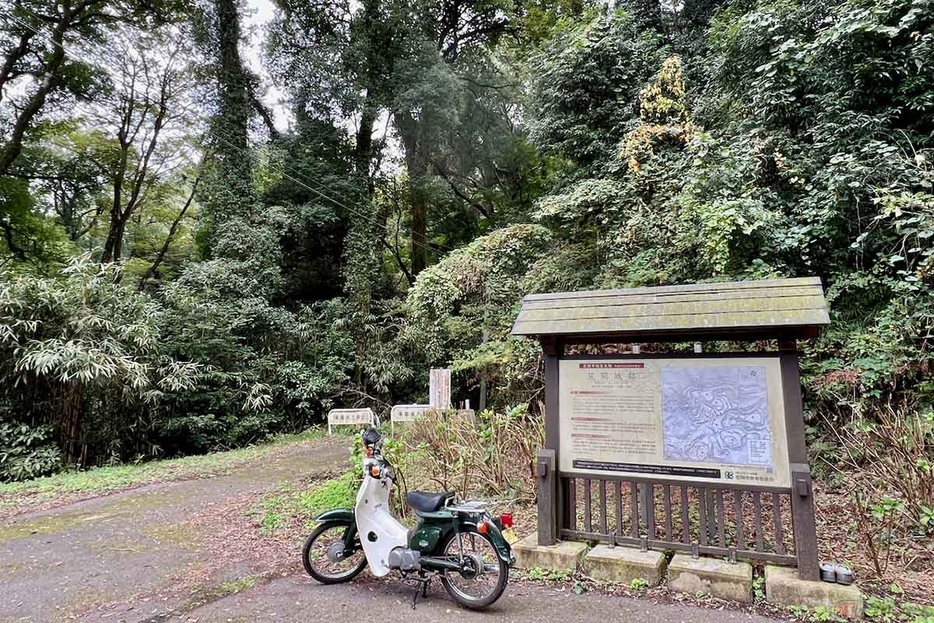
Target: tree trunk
(229, 194)
(417, 166)
(14, 145)
(115, 233)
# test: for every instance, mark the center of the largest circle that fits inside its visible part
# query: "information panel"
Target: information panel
(706, 419)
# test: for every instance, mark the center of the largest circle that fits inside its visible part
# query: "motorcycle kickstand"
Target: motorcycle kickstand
(421, 586)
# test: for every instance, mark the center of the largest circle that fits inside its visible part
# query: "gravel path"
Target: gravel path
(186, 552)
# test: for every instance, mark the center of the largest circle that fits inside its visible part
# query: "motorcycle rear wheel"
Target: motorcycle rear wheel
(474, 592)
(313, 555)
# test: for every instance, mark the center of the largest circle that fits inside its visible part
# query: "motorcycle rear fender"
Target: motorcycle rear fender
(503, 549)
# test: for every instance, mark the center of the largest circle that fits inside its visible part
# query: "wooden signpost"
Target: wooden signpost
(343, 417)
(676, 448)
(439, 388)
(407, 413)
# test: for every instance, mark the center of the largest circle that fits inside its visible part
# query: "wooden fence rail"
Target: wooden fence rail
(718, 520)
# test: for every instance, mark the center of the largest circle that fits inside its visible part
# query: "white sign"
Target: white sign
(467, 414)
(407, 413)
(439, 388)
(341, 417)
(708, 420)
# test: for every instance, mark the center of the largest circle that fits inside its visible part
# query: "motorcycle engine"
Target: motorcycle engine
(403, 559)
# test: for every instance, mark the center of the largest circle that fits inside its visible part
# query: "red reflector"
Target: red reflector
(506, 520)
(483, 528)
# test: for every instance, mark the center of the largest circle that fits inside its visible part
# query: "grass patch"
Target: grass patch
(103, 480)
(291, 506)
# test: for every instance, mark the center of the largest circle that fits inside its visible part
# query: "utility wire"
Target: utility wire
(280, 170)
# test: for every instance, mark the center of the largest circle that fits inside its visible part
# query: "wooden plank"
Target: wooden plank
(738, 510)
(702, 503)
(721, 518)
(777, 524)
(685, 516)
(649, 499)
(588, 517)
(687, 312)
(660, 299)
(552, 349)
(676, 481)
(666, 492)
(757, 513)
(626, 307)
(602, 494)
(728, 334)
(619, 507)
(560, 488)
(734, 320)
(719, 286)
(634, 508)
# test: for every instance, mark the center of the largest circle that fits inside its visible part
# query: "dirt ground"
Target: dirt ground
(189, 551)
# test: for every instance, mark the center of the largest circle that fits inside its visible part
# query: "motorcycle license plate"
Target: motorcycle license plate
(510, 536)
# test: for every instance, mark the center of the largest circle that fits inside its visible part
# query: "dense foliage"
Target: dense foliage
(184, 267)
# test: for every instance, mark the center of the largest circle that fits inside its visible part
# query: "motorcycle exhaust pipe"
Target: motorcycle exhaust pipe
(439, 564)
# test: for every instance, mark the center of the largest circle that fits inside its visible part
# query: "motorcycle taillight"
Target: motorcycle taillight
(505, 520)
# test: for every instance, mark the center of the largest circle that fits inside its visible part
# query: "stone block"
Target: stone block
(564, 556)
(711, 576)
(783, 587)
(624, 564)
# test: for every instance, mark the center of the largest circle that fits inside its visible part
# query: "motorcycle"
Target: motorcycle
(456, 541)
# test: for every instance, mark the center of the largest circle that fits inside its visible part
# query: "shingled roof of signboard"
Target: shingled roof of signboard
(774, 308)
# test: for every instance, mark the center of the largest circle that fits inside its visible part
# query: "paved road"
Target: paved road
(187, 552)
(299, 598)
(157, 542)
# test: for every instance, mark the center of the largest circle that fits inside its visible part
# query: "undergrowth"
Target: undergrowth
(298, 507)
(103, 480)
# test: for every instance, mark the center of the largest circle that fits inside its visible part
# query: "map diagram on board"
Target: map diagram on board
(716, 414)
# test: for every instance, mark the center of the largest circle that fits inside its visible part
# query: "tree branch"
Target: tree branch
(160, 257)
(266, 116)
(457, 191)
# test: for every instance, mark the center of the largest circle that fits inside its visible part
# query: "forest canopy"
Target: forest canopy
(211, 233)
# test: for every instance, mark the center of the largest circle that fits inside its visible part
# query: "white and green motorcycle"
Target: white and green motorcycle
(459, 542)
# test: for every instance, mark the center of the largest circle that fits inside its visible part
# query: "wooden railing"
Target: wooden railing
(737, 522)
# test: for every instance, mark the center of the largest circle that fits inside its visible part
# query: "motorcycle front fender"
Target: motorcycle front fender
(336, 514)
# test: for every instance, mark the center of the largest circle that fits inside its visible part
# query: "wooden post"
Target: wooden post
(802, 499)
(547, 497)
(552, 347)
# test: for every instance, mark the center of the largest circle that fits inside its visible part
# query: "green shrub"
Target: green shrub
(27, 452)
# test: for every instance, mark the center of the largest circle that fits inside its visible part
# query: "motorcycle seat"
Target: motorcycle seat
(427, 502)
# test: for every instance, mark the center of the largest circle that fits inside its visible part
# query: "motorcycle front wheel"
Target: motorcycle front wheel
(318, 554)
(484, 575)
